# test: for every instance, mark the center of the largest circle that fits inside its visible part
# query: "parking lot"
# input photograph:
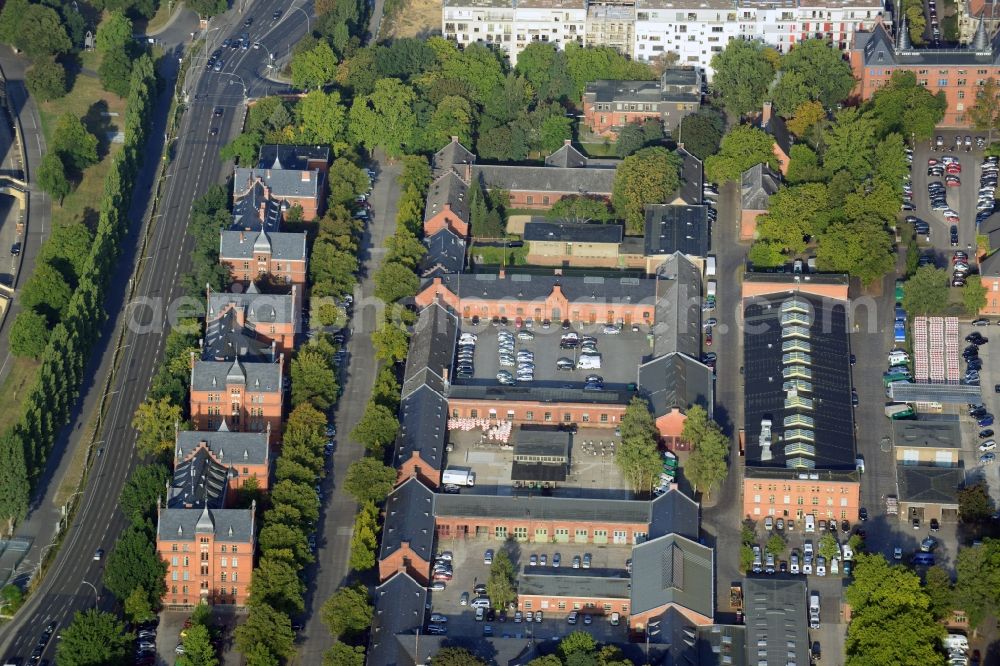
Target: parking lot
(990, 377)
(592, 473)
(620, 355)
(470, 570)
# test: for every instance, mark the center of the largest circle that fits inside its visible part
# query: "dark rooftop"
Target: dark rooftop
(541, 508)
(228, 525)
(692, 179)
(409, 519)
(676, 381)
(673, 512)
(541, 394)
(593, 179)
(677, 228)
(293, 157)
(929, 485)
(527, 287)
(445, 254)
(400, 608)
(541, 442)
(452, 156)
(448, 191)
(798, 380)
(230, 448)
(757, 184)
(677, 326)
(573, 233)
(432, 347)
(198, 482)
(423, 421)
(943, 432)
(673, 570)
(565, 583)
(776, 612)
(281, 246)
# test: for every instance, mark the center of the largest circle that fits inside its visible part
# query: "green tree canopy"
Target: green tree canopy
(313, 379)
(342, 654)
(276, 584)
(52, 177)
(926, 292)
(73, 143)
(315, 67)
(95, 638)
(369, 480)
(385, 118)
(977, 584)
(501, 586)
(348, 613)
(743, 147)
(363, 541)
(973, 297)
(198, 649)
(137, 606)
(46, 80)
(456, 656)
(391, 342)
(394, 282)
(974, 503)
(580, 209)
(267, 632)
(937, 585)
(35, 29)
(985, 113)
(906, 107)
(794, 215)
(706, 466)
(701, 132)
(377, 427)
(29, 335)
(651, 175)
(743, 73)
(134, 563)
(637, 457)
(862, 249)
(46, 291)
(139, 495)
(324, 119)
(813, 69)
(155, 421)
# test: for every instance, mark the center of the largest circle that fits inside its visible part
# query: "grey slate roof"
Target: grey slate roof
(198, 482)
(445, 254)
(692, 179)
(678, 309)
(282, 183)
(565, 583)
(565, 232)
(449, 190)
(231, 448)
(924, 484)
(226, 340)
(990, 266)
(567, 156)
(541, 508)
(673, 512)
(409, 518)
(673, 569)
(399, 609)
(432, 347)
(676, 85)
(776, 612)
(541, 394)
(943, 432)
(777, 128)
(240, 245)
(557, 180)
(525, 287)
(676, 228)
(757, 184)
(291, 157)
(260, 309)
(879, 51)
(248, 196)
(215, 375)
(423, 420)
(228, 525)
(495, 650)
(452, 155)
(676, 381)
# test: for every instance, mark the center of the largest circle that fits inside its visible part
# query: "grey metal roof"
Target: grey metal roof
(400, 607)
(432, 347)
(445, 254)
(282, 246)
(215, 375)
(228, 525)
(672, 569)
(448, 190)
(294, 157)
(547, 441)
(526, 287)
(678, 309)
(541, 394)
(565, 583)
(952, 394)
(677, 228)
(925, 484)
(789, 282)
(409, 518)
(423, 420)
(722, 644)
(258, 308)
(692, 178)
(454, 154)
(677, 85)
(541, 508)
(676, 381)
(757, 184)
(594, 179)
(937, 433)
(990, 266)
(673, 512)
(283, 183)
(776, 611)
(198, 482)
(230, 448)
(567, 156)
(565, 232)
(777, 128)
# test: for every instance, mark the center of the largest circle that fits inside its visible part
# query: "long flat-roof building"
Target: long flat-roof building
(799, 423)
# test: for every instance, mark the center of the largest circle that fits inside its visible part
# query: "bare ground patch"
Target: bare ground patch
(417, 18)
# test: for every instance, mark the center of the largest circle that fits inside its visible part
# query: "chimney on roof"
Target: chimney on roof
(765, 116)
(502, 275)
(444, 375)
(454, 139)
(567, 142)
(243, 236)
(306, 176)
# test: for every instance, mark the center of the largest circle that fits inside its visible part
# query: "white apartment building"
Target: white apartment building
(644, 29)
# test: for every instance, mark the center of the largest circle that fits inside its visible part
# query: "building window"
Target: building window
(474, 413)
(223, 561)
(500, 532)
(222, 576)
(527, 605)
(604, 418)
(815, 501)
(173, 575)
(567, 417)
(173, 547)
(173, 561)
(548, 416)
(521, 533)
(585, 418)
(529, 415)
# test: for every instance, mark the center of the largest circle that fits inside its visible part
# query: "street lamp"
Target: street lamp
(97, 597)
(308, 20)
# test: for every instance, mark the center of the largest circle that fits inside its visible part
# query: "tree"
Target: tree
(37, 30)
(766, 254)
(917, 23)
(974, 503)
(276, 584)
(973, 297)
(198, 650)
(368, 480)
(73, 143)
(391, 342)
(577, 642)
(828, 547)
(405, 249)
(363, 542)
(342, 654)
(651, 175)
(298, 495)
(114, 32)
(394, 282)
(803, 165)
(46, 79)
(477, 65)
(243, 149)
(385, 118)
(850, 144)
(280, 538)
(207, 8)
(155, 421)
(638, 458)
(46, 292)
(805, 117)
(794, 215)
(905, 106)
(95, 638)
(376, 428)
(348, 181)
(137, 606)
(501, 586)
(706, 466)
(115, 71)
(145, 485)
(52, 177)
(985, 113)
(134, 563)
(937, 585)
(544, 67)
(14, 484)
(580, 209)
(386, 389)
(743, 73)
(313, 379)
(701, 132)
(776, 545)
(743, 147)
(332, 271)
(456, 656)
(348, 612)
(315, 67)
(453, 116)
(29, 335)
(266, 627)
(813, 69)
(926, 292)
(890, 165)
(977, 584)
(862, 249)
(324, 119)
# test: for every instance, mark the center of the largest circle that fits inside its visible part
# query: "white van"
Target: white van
(588, 363)
(711, 288)
(952, 641)
(848, 553)
(480, 602)
(709, 266)
(898, 357)
(810, 523)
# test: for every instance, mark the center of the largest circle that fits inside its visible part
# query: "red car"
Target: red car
(708, 339)
(931, 162)
(953, 219)
(954, 168)
(953, 181)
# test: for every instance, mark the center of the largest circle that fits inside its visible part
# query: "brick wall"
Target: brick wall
(837, 500)
(229, 584)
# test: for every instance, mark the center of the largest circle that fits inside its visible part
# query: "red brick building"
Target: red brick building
(610, 105)
(960, 74)
(249, 256)
(244, 395)
(243, 455)
(285, 176)
(251, 323)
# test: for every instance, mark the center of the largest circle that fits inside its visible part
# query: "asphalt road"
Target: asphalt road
(195, 167)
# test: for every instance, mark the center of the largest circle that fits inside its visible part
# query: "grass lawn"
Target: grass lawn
(494, 256)
(89, 101)
(23, 374)
(599, 149)
(161, 17)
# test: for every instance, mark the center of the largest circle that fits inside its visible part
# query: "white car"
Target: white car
(793, 566)
(612, 330)
(897, 553)
(988, 445)
(820, 566)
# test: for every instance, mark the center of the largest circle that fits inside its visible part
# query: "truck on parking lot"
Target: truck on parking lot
(899, 331)
(897, 374)
(736, 600)
(458, 477)
(899, 291)
(899, 410)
